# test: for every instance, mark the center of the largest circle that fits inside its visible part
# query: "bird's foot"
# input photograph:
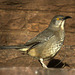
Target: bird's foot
(41, 61)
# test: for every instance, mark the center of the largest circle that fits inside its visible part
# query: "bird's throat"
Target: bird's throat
(62, 25)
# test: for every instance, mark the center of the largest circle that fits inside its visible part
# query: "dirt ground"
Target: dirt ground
(21, 20)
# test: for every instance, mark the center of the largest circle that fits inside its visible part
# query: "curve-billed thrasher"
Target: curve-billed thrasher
(47, 43)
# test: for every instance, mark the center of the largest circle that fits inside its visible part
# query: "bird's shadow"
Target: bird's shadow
(56, 63)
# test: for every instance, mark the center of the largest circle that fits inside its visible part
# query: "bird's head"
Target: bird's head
(58, 21)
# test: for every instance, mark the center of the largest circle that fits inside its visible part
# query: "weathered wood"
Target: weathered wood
(35, 71)
(21, 20)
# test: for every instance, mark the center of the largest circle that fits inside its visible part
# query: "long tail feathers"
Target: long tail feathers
(19, 47)
(9, 47)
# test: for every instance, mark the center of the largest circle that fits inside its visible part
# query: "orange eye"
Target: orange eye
(57, 18)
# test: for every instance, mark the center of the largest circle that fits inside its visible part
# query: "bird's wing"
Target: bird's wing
(32, 42)
(41, 37)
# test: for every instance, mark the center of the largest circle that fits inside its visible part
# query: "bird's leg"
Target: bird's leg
(41, 61)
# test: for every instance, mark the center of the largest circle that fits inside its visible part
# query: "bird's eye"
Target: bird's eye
(57, 18)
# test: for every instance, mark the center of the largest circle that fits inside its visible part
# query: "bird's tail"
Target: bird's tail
(18, 47)
(9, 47)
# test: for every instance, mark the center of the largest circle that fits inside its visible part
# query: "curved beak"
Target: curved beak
(66, 17)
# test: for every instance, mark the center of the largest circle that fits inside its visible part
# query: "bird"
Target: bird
(46, 44)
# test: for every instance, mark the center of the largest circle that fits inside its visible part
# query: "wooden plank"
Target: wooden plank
(35, 71)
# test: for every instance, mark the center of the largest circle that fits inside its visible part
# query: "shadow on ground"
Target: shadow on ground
(56, 63)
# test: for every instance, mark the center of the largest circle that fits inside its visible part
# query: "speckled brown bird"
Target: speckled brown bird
(47, 43)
